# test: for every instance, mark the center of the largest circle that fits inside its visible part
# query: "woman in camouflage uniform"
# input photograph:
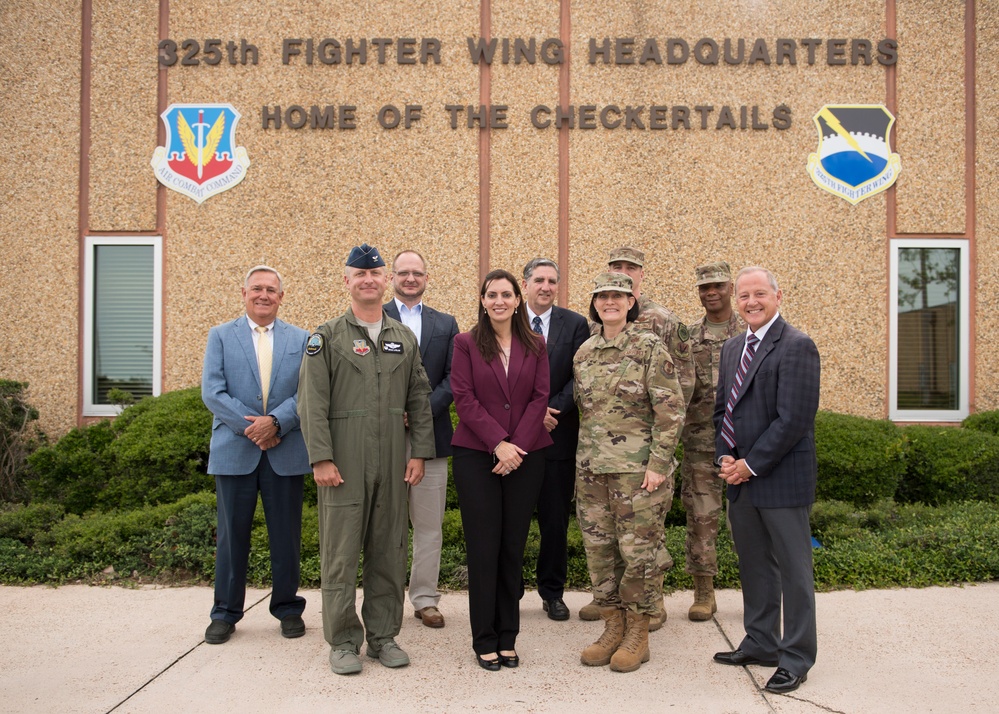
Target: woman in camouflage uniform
(631, 411)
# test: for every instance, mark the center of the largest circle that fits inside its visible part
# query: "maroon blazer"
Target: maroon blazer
(494, 406)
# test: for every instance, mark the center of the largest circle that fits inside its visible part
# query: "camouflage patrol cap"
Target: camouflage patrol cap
(717, 272)
(364, 257)
(606, 282)
(627, 254)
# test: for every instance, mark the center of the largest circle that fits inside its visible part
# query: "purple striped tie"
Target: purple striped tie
(727, 430)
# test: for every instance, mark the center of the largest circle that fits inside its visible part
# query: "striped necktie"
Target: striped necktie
(264, 357)
(727, 429)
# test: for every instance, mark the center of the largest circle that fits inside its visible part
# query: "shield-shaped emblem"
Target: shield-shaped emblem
(200, 158)
(361, 347)
(854, 159)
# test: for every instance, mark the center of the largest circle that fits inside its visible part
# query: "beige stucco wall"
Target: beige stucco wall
(685, 196)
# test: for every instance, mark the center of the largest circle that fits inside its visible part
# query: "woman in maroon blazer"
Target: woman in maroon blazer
(499, 376)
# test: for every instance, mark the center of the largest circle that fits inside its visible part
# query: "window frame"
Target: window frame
(90, 409)
(964, 332)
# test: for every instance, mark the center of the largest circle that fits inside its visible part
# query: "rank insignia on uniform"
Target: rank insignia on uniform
(854, 159)
(315, 344)
(393, 347)
(200, 158)
(682, 332)
(361, 347)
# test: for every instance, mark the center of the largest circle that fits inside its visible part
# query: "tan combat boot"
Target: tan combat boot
(659, 619)
(704, 599)
(590, 611)
(599, 653)
(634, 649)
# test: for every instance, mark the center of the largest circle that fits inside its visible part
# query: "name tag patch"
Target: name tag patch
(392, 347)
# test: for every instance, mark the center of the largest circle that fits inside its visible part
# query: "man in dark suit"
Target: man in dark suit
(250, 385)
(768, 393)
(564, 332)
(435, 332)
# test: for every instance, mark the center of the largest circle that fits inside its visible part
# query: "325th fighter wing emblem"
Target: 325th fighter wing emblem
(854, 159)
(200, 158)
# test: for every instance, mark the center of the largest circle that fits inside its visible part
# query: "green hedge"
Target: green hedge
(946, 464)
(860, 460)
(155, 452)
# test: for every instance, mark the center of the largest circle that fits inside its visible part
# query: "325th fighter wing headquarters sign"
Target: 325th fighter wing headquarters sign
(200, 158)
(854, 159)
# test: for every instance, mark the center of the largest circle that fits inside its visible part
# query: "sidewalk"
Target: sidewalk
(86, 649)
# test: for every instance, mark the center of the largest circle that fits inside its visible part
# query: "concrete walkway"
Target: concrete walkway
(88, 649)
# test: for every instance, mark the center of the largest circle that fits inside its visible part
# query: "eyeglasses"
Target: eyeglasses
(414, 273)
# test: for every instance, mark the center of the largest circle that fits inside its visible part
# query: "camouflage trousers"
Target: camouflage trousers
(624, 537)
(701, 491)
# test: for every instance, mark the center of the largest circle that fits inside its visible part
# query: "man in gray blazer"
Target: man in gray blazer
(435, 332)
(768, 393)
(250, 384)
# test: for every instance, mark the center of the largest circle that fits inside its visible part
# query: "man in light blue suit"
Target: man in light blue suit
(250, 384)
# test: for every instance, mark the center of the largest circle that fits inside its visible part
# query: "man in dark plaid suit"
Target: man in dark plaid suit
(768, 393)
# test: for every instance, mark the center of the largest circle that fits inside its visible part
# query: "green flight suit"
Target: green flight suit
(352, 395)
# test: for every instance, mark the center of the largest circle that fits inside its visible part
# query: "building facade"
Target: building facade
(484, 134)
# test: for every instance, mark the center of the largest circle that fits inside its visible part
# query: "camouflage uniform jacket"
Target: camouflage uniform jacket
(655, 318)
(699, 429)
(631, 408)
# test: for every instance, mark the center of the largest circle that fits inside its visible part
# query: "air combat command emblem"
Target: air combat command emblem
(200, 158)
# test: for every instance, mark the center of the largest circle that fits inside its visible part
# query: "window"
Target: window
(929, 330)
(123, 280)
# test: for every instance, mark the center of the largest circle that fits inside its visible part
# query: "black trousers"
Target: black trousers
(496, 516)
(554, 506)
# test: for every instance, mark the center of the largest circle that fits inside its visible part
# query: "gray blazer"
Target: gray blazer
(773, 417)
(437, 333)
(230, 388)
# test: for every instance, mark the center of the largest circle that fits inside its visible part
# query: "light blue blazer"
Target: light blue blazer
(230, 388)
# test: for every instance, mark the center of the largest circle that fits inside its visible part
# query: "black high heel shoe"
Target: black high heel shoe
(492, 665)
(510, 661)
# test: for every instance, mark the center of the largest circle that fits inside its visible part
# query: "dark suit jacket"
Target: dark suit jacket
(436, 345)
(567, 331)
(773, 417)
(494, 406)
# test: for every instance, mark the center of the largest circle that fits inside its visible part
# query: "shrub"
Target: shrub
(987, 422)
(74, 470)
(860, 460)
(161, 451)
(18, 437)
(946, 464)
(155, 452)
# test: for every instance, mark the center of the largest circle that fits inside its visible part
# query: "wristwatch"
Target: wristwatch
(277, 424)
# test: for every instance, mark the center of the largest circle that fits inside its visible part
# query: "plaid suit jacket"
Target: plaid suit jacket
(773, 417)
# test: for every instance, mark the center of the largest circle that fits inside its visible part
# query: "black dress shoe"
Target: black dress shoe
(292, 626)
(556, 609)
(493, 665)
(739, 658)
(783, 681)
(509, 661)
(218, 632)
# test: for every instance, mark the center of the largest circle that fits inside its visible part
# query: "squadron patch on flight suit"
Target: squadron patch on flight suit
(315, 344)
(361, 347)
(392, 347)
(682, 332)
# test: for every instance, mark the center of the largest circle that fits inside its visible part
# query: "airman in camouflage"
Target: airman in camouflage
(701, 490)
(652, 317)
(631, 412)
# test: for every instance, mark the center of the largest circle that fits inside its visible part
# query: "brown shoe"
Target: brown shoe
(634, 649)
(431, 616)
(590, 611)
(704, 599)
(600, 652)
(659, 619)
